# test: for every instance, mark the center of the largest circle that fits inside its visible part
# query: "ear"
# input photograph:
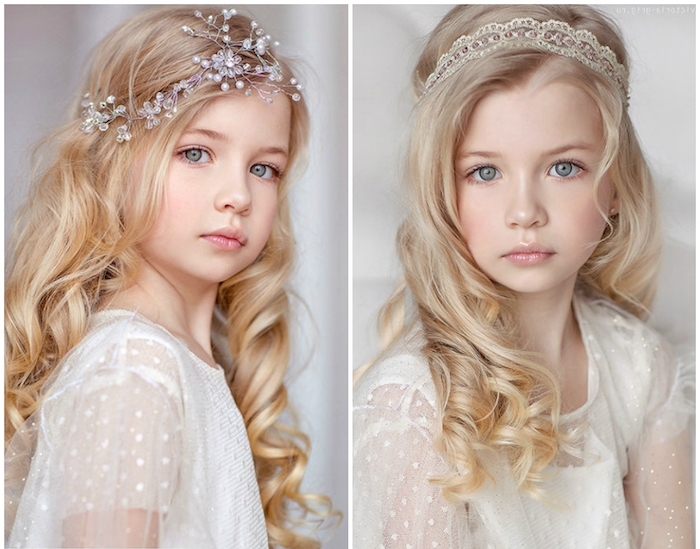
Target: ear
(614, 206)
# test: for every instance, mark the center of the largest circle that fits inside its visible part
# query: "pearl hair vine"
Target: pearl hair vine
(262, 76)
(551, 36)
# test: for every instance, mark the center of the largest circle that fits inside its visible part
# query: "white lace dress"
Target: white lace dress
(138, 444)
(636, 456)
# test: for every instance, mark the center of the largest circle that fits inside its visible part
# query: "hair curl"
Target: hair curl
(493, 396)
(79, 230)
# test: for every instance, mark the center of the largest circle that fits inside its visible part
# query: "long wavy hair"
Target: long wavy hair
(76, 245)
(492, 395)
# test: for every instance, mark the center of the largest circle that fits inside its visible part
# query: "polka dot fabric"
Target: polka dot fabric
(138, 443)
(629, 487)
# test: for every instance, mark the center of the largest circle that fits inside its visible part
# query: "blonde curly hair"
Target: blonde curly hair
(79, 236)
(492, 395)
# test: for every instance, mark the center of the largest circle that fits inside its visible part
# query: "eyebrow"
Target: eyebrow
(274, 150)
(553, 152)
(218, 136)
(206, 133)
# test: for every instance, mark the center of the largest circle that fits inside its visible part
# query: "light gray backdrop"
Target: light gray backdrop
(45, 49)
(387, 42)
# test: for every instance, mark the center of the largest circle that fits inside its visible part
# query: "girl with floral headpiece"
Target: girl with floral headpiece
(521, 400)
(147, 309)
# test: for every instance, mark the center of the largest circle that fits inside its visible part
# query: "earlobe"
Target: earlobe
(614, 207)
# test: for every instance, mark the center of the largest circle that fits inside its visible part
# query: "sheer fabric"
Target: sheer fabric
(628, 489)
(138, 443)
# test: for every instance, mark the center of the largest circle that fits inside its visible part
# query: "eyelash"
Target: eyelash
(475, 169)
(278, 174)
(181, 154)
(571, 161)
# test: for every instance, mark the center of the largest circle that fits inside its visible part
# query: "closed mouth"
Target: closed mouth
(530, 249)
(227, 234)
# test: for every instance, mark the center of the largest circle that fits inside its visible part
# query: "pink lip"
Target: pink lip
(529, 254)
(227, 238)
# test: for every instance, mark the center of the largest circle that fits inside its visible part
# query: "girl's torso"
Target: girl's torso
(396, 420)
(134, 420)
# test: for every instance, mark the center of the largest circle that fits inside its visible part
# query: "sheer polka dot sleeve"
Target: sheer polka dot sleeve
(395, 504)
(658, 484)
(112, 437)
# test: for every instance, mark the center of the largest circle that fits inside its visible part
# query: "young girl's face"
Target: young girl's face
(525, 185)
(220, 195)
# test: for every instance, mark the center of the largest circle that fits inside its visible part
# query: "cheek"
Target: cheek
(180, 205)
(265, 205)
(589, 222)
(582, 224)
(177, 211)
(269, 223)
(475, 219)
(170, 212)
(590, 216)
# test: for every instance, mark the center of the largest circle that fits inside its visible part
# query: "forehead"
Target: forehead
(533, 116)
(246, 118)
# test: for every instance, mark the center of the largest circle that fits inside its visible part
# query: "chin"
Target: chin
(537, 287)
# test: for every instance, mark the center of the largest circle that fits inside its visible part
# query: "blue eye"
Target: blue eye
(564, 169)
(485, 173)
(196, 156)
(263, 171)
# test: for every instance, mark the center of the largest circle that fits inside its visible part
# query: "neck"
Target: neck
(548, 326)
(183, 307)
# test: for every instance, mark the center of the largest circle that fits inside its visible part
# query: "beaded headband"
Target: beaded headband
(263, 77)
(552, 36)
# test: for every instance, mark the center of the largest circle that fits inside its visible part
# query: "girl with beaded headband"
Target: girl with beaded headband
(147, 307)
(521, 400)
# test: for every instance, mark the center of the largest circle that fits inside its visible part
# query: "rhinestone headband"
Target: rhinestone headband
(552, 36)
(224, 67)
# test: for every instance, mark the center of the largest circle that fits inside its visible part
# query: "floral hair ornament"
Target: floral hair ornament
(225, 67)
(552, 36)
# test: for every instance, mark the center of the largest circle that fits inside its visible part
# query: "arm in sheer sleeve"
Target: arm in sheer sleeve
(395, 504)
(658, 484)
(118, 465)
(111, 439)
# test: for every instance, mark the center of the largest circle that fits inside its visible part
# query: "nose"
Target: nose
(234, 193)
(526, 208)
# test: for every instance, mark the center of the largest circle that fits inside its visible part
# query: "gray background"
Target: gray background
(45, 49)
(387, 42)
